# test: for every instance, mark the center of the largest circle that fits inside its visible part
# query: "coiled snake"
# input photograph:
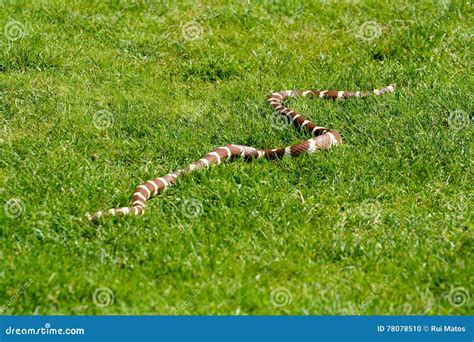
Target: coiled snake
(323, 138)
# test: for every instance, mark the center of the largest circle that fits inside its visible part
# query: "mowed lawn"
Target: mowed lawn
(96, 97)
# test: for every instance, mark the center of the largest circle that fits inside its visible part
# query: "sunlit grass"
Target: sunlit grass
(98, 97)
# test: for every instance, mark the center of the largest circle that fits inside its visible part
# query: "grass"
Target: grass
(98, 97)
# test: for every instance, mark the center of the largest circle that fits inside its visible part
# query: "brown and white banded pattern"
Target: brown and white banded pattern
(323, 138)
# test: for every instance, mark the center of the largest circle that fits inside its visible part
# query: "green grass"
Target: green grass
(379, 225)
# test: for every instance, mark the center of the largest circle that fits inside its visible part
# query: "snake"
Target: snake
(322, 139)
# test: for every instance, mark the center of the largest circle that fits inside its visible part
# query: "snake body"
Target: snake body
(323, 138)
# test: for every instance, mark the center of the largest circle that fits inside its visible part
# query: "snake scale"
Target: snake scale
(322, 139)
